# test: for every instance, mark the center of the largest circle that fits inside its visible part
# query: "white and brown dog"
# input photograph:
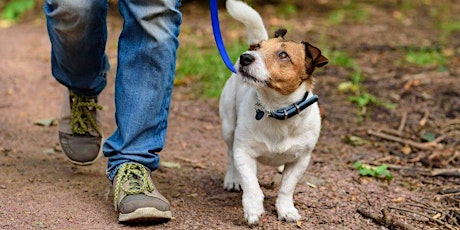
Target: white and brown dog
(268, 113)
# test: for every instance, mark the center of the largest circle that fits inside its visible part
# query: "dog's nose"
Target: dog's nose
(246, 59)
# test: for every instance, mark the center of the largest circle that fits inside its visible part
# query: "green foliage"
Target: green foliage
(336, 17)
(380, 172)
(445, 20)
(363, 100)
(287, 9)
(354, 86)
(341, 58)
(14, 9)
(449, 27)
(425, 57)
(428, 136)
(204, 66)
(351, 12)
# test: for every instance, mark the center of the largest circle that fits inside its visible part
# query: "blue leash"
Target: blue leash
(218, 35)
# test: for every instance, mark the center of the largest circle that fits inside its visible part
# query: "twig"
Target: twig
(450, 191)
(424, 119)
(423, 146)
(5, 106)
(424, 215)
(451, 125)
(386, 219)
(402, 124)
(392, 132)
(194, 163)
(446, 172)
(441, 138)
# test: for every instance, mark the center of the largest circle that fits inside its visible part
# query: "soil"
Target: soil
(40, 189)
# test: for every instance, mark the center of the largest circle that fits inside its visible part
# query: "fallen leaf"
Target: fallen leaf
(437, 216)
(355, 140)
(299, 224)
(347, 87)
(411, 84)
(168, 164)
(428, 136)
(398, 200)
(6, 23)
(49, 151)
(45, 122)
(406, 150)
(39, 224)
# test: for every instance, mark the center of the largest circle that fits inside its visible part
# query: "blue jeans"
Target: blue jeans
(145, 72)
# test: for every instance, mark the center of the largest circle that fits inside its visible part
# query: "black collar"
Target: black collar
(288, 111)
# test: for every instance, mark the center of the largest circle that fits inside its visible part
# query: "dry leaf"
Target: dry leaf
(45, 122)
(406, 150)
(398, 200)
(168, 164)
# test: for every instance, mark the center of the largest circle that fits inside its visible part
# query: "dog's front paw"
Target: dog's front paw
(253, 205)
(289, 214)
(232, 181)
(253, 215)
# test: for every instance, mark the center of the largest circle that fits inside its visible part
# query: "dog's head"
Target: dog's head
(280, 64)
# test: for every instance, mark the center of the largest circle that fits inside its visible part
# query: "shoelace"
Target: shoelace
(138, 180)
(82, 119)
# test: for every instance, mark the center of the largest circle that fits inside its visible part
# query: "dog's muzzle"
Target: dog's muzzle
(246, 59)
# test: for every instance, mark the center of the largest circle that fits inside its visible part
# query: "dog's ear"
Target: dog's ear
(317, 59)
(280, 33)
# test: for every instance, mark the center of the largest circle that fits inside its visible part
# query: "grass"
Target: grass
(14, 9)
(349, 12)
(204, 66)
(424, 57)
(354, 87)
(287, 10)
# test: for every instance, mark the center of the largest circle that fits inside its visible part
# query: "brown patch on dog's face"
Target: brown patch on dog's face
(289, 63)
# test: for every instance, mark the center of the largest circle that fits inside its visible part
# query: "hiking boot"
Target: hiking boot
(79, 128)
(136, 198)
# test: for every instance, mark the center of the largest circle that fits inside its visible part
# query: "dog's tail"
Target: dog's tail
(250, 18)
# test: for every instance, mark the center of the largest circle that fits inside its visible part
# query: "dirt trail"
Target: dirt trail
(40, 189)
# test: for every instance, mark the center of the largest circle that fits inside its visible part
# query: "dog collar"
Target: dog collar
(288, 111)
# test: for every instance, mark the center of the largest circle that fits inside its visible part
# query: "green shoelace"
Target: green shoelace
(81, 117)
(138, 180)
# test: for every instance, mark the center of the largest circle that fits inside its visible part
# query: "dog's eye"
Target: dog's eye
(283, 55)
(254, 47)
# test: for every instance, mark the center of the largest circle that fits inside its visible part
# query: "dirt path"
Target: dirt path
(39, 189)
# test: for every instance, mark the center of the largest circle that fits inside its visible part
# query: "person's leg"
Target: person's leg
(78, 34)
(144, 81)
(145, 75)
(77, 31)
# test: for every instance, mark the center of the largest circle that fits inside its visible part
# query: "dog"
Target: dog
(268, 113)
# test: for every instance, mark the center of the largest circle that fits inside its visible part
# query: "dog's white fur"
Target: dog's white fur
(269, 141)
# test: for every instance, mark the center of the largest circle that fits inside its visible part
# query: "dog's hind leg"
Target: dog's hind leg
(227, 113)
(232, 181)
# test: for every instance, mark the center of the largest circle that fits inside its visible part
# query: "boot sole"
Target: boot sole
(145, 215)
(87, 163)
(79, 163)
